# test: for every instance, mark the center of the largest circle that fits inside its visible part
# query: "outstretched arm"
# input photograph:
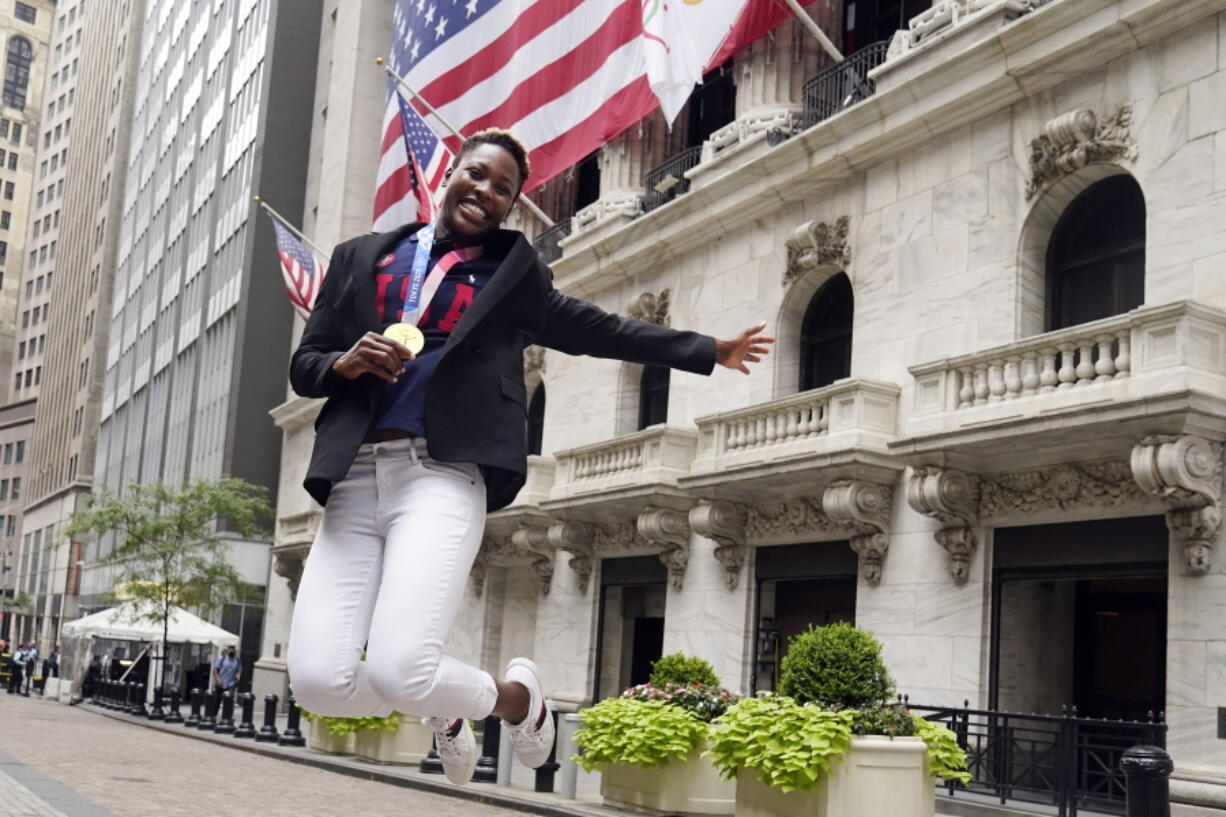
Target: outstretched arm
(747, 347)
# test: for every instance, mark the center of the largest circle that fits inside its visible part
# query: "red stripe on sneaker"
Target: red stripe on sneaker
(540, 721)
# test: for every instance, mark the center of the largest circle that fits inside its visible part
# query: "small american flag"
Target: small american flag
(411, 168)
(301, 269)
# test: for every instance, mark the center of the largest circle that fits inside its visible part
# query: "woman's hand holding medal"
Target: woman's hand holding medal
(380, 355)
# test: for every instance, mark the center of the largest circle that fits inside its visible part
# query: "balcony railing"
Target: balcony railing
(1063, 761)
(546, 243)
(848, 414)
(842, 85)
(658, 454)
(1075, 360)
(667, 181)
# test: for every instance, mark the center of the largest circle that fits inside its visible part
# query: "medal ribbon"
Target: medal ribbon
(422, 287)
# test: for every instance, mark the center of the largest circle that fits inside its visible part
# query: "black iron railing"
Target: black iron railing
(546, 243)
(842, 85)
(667, 181)
(1065, 761)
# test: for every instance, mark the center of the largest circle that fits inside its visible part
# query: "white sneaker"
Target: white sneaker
(532, 739)
(456, 746)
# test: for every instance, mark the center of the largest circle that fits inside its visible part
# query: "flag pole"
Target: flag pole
(815, 30)
(285, 223)
(529, 203)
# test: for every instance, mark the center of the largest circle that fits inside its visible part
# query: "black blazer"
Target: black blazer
(476, 403)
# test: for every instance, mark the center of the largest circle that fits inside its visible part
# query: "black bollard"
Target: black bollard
(225, 724)
(431, 763)
(292, 735)
(246, 728)
(157, 712)
(268, 732)
(125, 702)
(545, 773)
(1147, 770)
(174, 714)
(138, 701)
(193, 718)
(209, 719)
(487, 764)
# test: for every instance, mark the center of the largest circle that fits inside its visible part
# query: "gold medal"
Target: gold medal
(406, 334)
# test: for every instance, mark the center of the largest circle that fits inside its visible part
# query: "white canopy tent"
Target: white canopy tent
(137, 622)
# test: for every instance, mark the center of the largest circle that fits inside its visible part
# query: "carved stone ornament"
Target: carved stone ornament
(534, 360)
(575, 538)
(670, 529)
(534, 541)
(477, 573)
(864, 507)
(1185, 471)
(951, 498)
(288, 566)
(620, 537)
(724, 523)
(1073, 140)
(1106, 484)
(651, 308)
(816, 243)
(791, 517)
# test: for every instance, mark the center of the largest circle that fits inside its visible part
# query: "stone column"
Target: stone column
(624, 161)
(771, 72)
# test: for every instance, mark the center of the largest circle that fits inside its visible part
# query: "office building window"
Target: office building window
(25, 12)
(9, 190)
(17, 71)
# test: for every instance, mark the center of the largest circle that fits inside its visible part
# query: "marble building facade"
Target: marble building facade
(993, 482)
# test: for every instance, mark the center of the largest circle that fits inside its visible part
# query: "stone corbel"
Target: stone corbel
(724, 523)
(864, 507)
(816, 243)
(1186, 471)
(534, 541)
(477, 574)
(651, 308)
(1075, 139)
(288, 565)
(534, 360)
(576, 538)
(670, 529)
(951, 498)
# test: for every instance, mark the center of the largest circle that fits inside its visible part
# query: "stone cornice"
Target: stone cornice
(296, 412)
(1034, 53)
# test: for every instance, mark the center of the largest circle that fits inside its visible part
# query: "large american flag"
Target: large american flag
(301, 269)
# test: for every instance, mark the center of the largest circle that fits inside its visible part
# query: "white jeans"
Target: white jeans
(387, 574)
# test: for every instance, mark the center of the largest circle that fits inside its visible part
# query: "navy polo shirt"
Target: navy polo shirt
(401, 406)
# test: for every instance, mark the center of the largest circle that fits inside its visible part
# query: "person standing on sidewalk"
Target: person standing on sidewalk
(227, 670)
(417, 341)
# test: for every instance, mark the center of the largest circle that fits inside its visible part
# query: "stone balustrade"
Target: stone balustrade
(657, 454)
(852, 413)
(1170, 347)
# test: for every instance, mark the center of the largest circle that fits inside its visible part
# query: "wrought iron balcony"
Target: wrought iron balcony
(546, 243)
(842, 85)
(1156, 369)
(667, 181)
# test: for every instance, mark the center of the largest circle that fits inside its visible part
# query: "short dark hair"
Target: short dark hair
(503, 139)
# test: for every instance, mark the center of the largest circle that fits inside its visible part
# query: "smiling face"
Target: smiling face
(479, 192)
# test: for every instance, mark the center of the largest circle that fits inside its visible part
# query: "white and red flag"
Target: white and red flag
(565, 76)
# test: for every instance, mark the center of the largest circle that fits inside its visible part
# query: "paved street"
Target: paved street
(60, 761)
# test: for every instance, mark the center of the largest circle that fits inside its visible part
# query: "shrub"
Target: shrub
(886, 719)
(707, 702)
(645, 733)
(837, 666)
(681, 669)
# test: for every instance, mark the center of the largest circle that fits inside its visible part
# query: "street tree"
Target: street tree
(170, 543)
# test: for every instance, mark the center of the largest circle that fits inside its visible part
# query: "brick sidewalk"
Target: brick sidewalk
(133, 771)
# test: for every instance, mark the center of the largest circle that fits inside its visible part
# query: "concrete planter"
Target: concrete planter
(406, 746)
(321, 740)
(688, 787)
(879, 776)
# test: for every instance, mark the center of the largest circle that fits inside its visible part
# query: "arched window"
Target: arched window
(825, 335)
(536, 419)
(653, 396)
(1096, 256)
(17, 72)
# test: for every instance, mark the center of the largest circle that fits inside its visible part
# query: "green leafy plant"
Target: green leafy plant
(707, 702)
(891, 720)
(683, 670)
(646, 733)
(791, 745)
(946, 759)
(835, 666)
(347, 726)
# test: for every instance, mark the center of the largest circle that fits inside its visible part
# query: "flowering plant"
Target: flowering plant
(707, 702)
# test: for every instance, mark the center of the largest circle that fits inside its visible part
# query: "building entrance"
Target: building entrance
(630, 627)
(799, 586)
(1079, 618)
